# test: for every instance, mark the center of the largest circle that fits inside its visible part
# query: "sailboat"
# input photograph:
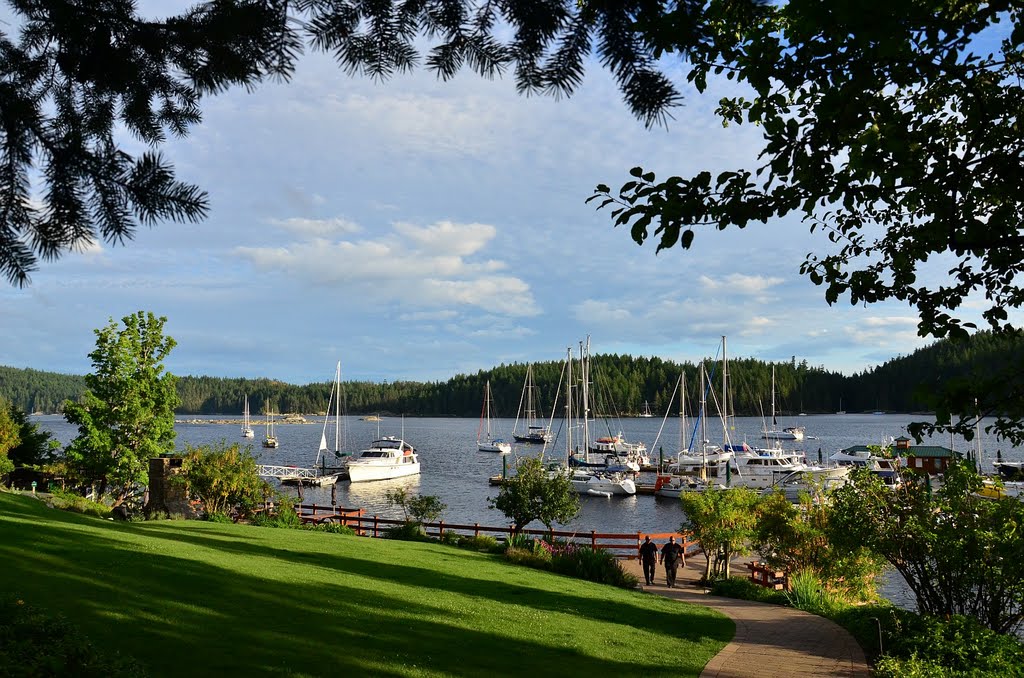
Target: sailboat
(247, 431)
(586, 479)
(789, 433)
(535, 433)
(647, 411)
(319, 466)
(840, 410)
(270, 440)
(489, 443)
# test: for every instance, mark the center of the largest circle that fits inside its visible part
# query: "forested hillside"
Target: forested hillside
(621, 385)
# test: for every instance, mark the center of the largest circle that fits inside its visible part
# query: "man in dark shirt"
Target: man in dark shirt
(672, 556)
(649, 559)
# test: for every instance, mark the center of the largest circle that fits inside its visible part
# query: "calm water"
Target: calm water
(457, 473)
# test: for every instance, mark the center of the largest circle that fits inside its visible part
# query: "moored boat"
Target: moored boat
(386, 458)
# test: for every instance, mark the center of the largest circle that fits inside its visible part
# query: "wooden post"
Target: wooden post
(375, 526)
(593, 540)
(638, 538)
(440, 529)
(476, 529)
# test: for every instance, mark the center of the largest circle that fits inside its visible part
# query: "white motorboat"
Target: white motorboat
(811, 480)
(633, 455)
(761, 470)
(602, 484)
(887, 468)
(386, 458)
(673, 487)
(709, 464)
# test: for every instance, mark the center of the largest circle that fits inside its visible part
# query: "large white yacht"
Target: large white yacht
(386, 458)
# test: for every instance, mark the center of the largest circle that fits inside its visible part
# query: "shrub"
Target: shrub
(596, 565)
(519, 541)
(33, 643)
(526, 556)
(910, 667)
(218, 517)
(811, 595)
(406, 532)
(69, 501)
(744, 589)
(281, 515)
(332, 528)
(483, 542)
(959, 643)
(450, 538)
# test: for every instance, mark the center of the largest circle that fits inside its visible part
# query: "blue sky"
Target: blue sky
(417, 229)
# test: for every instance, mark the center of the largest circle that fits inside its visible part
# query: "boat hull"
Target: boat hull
(600, 486)
(362, 473)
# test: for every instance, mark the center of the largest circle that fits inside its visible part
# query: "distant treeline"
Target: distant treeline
(621, 386)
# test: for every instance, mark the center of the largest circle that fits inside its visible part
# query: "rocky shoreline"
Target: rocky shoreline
(255, 421)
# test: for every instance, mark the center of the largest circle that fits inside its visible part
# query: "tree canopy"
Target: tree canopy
(127, 415)
(76, 73)
(960, 553)
(534, 494)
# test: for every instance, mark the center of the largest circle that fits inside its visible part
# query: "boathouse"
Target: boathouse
(930, 459)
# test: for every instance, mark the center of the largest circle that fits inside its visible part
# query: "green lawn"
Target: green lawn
(194, 598)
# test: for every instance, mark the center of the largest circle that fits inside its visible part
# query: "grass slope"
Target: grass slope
(194, 598)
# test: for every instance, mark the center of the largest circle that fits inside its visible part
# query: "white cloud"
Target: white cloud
(410, 266)
(738, 283)
(317, 227)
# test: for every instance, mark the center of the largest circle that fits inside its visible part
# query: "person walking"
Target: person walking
(649, 559)
(672, 556)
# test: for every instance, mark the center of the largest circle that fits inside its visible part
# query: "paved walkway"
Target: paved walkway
(771, 641)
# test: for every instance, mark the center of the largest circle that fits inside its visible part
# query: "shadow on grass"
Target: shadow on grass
(128, 588)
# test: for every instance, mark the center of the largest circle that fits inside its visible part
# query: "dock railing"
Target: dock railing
(623, 545)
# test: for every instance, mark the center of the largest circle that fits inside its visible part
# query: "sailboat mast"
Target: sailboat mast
(585, 370)
(568, 406)
(337, 409)
(725, 391)
(703, 419)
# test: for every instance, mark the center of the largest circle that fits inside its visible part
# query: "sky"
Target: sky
(417, 229)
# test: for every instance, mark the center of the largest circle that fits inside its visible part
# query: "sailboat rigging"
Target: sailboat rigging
(270, 439)
(485, 442)
(247, 431)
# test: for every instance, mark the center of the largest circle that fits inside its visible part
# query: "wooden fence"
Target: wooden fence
(624, 545)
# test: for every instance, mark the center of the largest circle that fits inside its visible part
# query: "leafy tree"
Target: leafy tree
(127, 415)
(795, 538)
(891, 130)
(722, 522)
(421, 509)
(223, 477)
(959, 553)
(533, 493)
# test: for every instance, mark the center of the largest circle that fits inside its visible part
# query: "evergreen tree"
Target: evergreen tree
(127, 414)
